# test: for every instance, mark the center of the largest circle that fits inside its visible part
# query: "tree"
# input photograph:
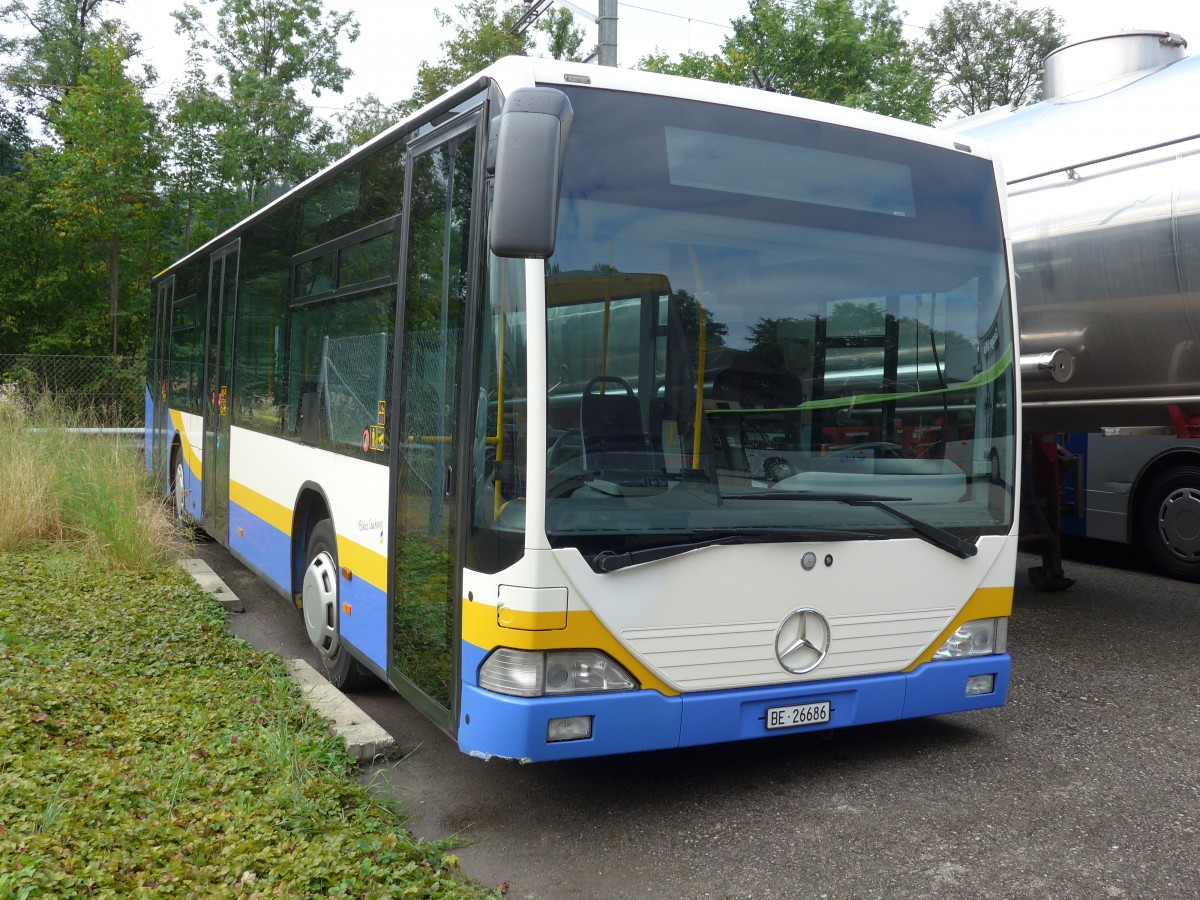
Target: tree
(362, 120)
(483, 36)
(562, 37)
(105, 192)
(693, 64)
(195, 190)
(14, 139)
(40, 267)
(79, 208)
(53, 55)
(989, 53)
(266, 50)
(850, 52)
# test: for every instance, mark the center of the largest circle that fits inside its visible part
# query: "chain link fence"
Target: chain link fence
(106, 391)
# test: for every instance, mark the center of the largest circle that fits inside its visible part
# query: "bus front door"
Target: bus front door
(157, 461)
(425, 565)
(218, 365)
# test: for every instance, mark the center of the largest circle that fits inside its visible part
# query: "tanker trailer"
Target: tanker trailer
(1104, 202)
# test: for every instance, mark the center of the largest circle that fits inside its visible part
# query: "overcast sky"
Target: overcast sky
(398, 34)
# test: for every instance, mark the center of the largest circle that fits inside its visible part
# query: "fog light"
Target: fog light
(571, 728)
(980, 684)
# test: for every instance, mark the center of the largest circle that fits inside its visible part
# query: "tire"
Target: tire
(177, 489)
(1169, 522)
(321, 611)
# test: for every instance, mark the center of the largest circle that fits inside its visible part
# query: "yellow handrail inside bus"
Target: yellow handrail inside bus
(497, 504)
(700, 362)
(607, 318)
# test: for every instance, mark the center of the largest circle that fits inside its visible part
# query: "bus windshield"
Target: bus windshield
(744, 305)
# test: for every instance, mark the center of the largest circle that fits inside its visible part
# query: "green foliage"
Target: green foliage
(265, 50)
(483, 36)
(42, 266)
(362, 120)
(562, 37)
(53, 55)
(81, 217)
(146, 752)
(14, 139)
(104, 191)
(192, 121)
(989, 53)
(693, 64)
(850, 52)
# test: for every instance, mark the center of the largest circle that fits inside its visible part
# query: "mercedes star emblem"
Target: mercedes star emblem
(802, 641)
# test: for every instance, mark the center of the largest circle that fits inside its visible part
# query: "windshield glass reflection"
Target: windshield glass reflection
(719, 327)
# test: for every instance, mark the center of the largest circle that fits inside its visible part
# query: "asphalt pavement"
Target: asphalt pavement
(1085, 785)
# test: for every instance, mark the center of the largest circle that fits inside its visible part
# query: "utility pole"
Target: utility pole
(606, 21)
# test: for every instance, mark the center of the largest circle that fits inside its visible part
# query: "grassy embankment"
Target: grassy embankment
(144, 751)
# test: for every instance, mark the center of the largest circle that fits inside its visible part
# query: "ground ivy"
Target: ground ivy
(144, 751)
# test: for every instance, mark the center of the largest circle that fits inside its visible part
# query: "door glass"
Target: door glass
(160, 375)
(222, 293)
(426, 417)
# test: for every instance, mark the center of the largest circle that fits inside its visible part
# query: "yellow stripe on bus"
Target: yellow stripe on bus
(189, 455)
(583, 630)
(366, 564)
(985, 603)
(275, 514)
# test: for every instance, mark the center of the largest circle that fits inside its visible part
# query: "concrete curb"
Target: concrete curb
(365, 738)
(211, 582)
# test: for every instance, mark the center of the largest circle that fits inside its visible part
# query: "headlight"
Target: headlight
(525, 673)
(982, 637)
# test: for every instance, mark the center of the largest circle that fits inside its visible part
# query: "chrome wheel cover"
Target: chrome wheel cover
(320, 604)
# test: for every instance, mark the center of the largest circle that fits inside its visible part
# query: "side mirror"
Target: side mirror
(529, 149)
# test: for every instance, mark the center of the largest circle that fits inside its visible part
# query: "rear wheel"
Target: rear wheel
(322, 611)
(1170, 522)
(178, 489)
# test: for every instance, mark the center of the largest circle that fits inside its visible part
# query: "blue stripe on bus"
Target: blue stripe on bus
(515, 727)
(263, 545)
(270, 550)
(366, 626)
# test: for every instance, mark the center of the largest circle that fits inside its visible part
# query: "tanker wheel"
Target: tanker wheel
(322, 617)
(1169, 522)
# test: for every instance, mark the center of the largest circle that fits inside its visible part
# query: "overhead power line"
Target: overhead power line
(663, 12)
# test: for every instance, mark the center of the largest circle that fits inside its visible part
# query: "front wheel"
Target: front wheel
(319, 603)
(1169, 522)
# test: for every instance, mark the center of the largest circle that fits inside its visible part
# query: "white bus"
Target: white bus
(599, 411)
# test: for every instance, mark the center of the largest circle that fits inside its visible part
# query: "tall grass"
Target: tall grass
(90, 491)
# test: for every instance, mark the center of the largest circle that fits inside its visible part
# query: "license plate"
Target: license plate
(798, 716)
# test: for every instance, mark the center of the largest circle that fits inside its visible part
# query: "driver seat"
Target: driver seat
(611, 427)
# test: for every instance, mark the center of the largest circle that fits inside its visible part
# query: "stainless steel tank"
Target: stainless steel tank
(1104, 205)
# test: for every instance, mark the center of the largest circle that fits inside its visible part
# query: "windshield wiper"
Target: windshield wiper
(939, 537)
(608, 561)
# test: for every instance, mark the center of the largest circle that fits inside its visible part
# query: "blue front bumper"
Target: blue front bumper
(515, 727)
